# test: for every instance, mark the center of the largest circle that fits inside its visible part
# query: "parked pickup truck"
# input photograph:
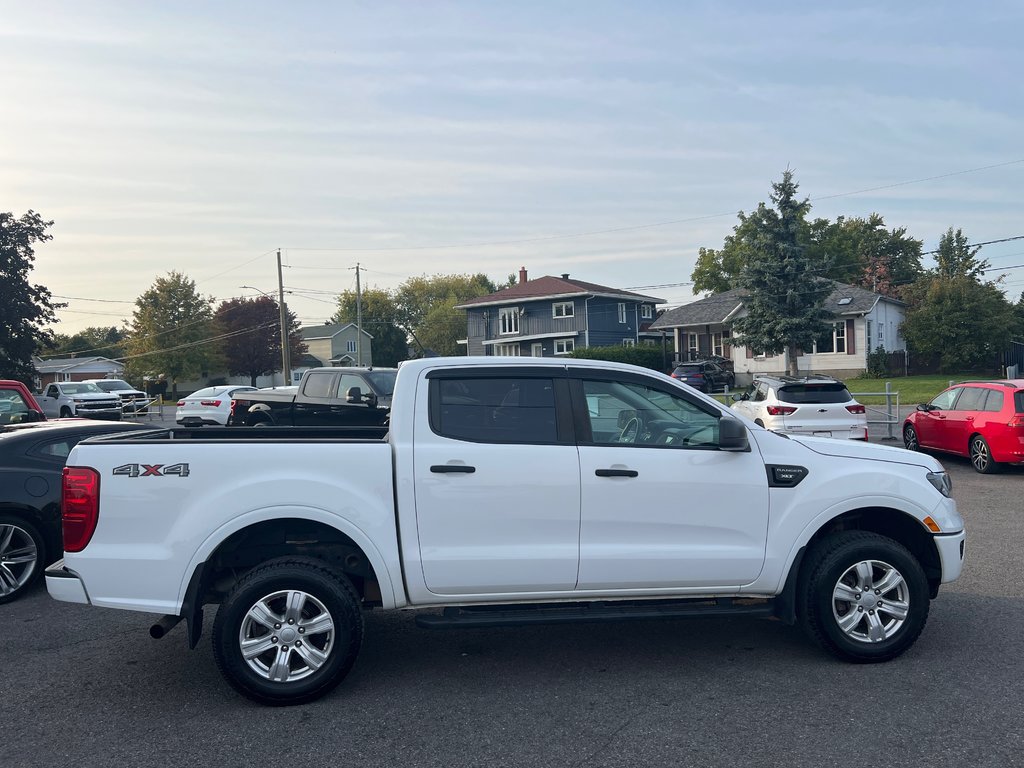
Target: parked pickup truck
(324, 397)
(506, 491)
(17, 404)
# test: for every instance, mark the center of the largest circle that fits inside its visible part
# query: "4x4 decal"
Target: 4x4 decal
(151, 470)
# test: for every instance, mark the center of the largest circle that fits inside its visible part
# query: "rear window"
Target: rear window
(814, 393)
(972, 399)
(209, 392)
(1018, 400)
(495, 410)
(690, 369)
(382, 381)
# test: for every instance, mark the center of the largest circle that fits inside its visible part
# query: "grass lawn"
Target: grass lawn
(912, 389)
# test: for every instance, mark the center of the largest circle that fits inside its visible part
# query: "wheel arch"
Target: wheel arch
(892, 523)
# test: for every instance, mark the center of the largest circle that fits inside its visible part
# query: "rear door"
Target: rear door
(662, 506)
(312, 406)
(497, 483)
(958, 426)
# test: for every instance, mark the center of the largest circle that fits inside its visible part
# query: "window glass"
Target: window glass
(944, 400)
(814, 393)
(972, 399)
(563, 309)
(59, 449)
(348, 381)
(564, 346)
(79, 388)
(495, 410)
(627, 413)
(318, 385)
(622, 313)
(994, 402)
(760, 392)
(509, 320)
(646, 311)
(382, 381)
(12, 407)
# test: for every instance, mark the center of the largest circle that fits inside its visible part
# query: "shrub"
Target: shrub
(644, 356)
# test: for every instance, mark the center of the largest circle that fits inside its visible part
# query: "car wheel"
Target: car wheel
(865, 597)
(65, 412)
(22, 555)
(981, 456)
(288, 632)
(910, 438)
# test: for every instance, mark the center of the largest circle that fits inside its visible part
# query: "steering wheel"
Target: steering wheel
(631, 431)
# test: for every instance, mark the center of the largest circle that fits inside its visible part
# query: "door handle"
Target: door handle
(450, 468)
(616, 472)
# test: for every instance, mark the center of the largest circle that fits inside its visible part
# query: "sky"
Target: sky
(606, 140)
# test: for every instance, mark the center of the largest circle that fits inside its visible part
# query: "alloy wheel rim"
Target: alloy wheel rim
(910, 438)
(18, 558)
(871, 601)
(979, 454)
(286, 636)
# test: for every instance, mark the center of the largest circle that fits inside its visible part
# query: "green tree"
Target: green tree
(959, 321)
(426, 309)
(25, 309)
(250, 336)
(784, 294)
(955, 258)
(390, 344)
(93, 342)
(171, 330)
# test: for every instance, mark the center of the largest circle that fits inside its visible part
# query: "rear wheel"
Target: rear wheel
(22, 555)
(289, 632)
(910, 438)
(865, 597)
(981, 456)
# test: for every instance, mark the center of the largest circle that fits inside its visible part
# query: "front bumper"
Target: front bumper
(65, 585)
(951, 554)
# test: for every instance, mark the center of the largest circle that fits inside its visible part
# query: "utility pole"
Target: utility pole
(286, 368)
(359, 320)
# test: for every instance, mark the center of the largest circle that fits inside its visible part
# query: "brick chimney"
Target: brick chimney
(522, 275)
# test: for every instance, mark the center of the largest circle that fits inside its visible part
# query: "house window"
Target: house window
(506, 350)
(564, 346)
(622, 312)
(832, 341)
(716, 344)
(646, 311)
(350, 346)
(867, 334)
(881, 335)
(563, 309)
(629, 342)
(537, 350)
(509, 319)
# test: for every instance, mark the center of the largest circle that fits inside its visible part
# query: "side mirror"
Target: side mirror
(34, 415)
(732, 435)
(926, 407)
(738, 398)
(354, 395)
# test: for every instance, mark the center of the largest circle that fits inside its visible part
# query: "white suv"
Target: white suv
(811, 405)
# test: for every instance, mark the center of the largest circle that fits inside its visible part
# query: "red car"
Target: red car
(983, 420)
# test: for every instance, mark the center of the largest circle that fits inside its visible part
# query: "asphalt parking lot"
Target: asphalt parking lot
(88, 687)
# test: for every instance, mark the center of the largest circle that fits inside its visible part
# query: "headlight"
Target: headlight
(942, 482)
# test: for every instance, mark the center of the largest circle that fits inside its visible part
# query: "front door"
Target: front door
(931, 425)
(662, 506)
(497, 484)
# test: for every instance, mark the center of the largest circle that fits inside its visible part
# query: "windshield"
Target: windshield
(814, 393)
(383, 382)
(80, 388)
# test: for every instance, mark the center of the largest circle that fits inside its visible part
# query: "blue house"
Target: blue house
(554, 315)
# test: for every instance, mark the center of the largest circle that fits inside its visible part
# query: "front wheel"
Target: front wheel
(288, 632)
(865, 598)
(910, 438)
(22, 555)
(65, 412)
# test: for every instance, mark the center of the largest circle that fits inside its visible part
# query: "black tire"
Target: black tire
(981, 456)
(910, 441)
(65, 412)
(268, 585)
(866, 627)
(19, 540)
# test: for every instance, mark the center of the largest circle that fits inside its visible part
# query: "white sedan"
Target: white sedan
(208, 406)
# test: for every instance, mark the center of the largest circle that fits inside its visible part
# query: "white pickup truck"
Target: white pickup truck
(507, 491)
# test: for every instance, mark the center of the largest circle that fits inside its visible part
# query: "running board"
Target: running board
(568, 613)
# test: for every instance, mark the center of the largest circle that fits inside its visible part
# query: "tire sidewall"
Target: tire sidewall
(834, 564)
(41, 556)
(329, 587)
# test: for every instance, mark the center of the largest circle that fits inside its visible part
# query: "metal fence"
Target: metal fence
(887, 415)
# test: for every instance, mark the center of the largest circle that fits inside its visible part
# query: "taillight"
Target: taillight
(181, 403)
(80, 506)
(1017, 421)
(211, 403)
(855, 408)
(780, 410)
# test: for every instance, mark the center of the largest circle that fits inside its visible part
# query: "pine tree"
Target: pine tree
(784, 291)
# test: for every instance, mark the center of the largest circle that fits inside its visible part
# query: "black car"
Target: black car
(705, 375)
(32, 458)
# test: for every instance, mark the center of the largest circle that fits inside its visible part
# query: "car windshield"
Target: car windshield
(113, 385)
(80, 388)
(383, 382)
(814, 393)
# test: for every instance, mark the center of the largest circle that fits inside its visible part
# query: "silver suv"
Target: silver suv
(812, 405)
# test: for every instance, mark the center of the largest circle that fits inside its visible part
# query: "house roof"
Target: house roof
(721, 307)
(66, 363)
(549, 287)
(327, 331)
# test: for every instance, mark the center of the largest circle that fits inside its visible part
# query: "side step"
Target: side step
(566, 613)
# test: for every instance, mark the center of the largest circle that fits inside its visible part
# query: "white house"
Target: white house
(864, 321)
